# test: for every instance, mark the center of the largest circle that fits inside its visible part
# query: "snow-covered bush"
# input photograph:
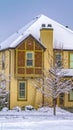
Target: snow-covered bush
(29, 107)
(5, 109)
(17, 109)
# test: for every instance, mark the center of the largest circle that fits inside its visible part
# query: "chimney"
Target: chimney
(46, 35)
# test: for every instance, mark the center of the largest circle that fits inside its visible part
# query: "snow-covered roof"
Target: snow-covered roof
(21, 38)
(66, 72)
(63, 37)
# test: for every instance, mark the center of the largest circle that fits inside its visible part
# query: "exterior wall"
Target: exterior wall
(67, 102)
(65, 99)
(66, 59)
(33, 97)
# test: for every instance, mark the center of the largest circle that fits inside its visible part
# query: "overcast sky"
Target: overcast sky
(15, 14)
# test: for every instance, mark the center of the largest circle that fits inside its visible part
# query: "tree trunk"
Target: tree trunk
(54, 106)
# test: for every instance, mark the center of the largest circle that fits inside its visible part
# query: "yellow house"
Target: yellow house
(24, 56)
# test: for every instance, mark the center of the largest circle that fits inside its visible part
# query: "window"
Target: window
(71, 60)
(22, 90)
(3, 61)
(58, 59)
(71, 95)
(29, 59)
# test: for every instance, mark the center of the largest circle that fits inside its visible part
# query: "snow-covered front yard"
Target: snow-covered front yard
(41, 119)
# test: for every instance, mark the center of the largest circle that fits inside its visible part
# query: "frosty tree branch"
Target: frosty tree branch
(54, 81)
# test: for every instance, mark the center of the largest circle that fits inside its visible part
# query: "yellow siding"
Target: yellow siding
(33, 96)
(46, 36)
(65, 59)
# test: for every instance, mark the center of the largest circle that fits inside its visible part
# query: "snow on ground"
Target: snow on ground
(36, 120)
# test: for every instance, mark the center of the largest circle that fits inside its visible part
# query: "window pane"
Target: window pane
(29, 63)
(71, 57)
(29, 55)
(71, 64)
(22, 94)
(58, 56)
(22, 90)
(22, 85)
(71, 95)
(58, 59)
(29, 59)
(71, 60)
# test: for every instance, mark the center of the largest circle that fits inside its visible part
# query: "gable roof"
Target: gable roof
(16, 43)
(63, 37)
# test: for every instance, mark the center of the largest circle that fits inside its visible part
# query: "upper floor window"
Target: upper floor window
(29, 59)
(58, 59)
(71, 60)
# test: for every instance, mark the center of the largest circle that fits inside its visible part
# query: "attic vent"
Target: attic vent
(49, 25)
(66, 26)
(43, 25)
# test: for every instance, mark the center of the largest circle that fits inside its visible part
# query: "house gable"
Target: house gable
(29, 58)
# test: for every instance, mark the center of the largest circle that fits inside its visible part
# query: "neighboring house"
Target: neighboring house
(25, 55)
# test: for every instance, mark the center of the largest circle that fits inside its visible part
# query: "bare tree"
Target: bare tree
(54, 82)
(3, 84)
(3, 91)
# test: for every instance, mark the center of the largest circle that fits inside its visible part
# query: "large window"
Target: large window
(71, 95)
(71, 60)
(58, 59)
(22, 90)
(29, 59)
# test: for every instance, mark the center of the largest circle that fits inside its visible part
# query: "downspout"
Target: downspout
(9, 76)
(43, 82)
